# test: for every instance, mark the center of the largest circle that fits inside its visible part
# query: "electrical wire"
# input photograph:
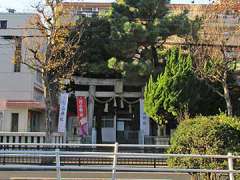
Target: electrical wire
(167, 43)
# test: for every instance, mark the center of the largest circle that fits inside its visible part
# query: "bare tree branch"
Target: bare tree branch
(54, 54)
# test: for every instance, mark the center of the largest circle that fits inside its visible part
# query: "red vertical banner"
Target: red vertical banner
(82, 115)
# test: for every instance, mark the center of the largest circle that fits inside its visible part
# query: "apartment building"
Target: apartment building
(222, 29)
(228, 20)
(21, 92)
(86, 9)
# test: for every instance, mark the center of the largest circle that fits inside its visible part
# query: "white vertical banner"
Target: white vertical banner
(63, 112)
(144, 120)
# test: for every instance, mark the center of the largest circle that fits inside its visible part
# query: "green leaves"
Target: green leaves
(93, 52)
(205, 135)
(171, 91)
(138, 25)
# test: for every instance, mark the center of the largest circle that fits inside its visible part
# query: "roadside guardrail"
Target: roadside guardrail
(56, 155)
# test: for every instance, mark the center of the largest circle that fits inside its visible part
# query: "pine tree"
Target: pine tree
(139, 28)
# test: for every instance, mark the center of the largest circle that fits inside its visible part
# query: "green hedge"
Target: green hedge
(205, 135)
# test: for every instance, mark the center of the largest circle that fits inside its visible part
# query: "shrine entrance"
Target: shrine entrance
(113, 109)
(128, 130)
(117, 120)
(115, 113)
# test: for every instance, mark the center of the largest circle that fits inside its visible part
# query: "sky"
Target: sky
(26, 5)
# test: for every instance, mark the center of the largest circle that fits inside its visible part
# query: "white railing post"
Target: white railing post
(114, 167)
(58, 164)
(230, 166)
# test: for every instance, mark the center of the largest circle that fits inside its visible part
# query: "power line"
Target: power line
(74, 28)
(203, 44)
(7, 44)
(19, 28)
(122, 40)
(23, 36)
(170, 43)
(46, 36)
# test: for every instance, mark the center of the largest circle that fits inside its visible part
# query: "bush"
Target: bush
(205, 135)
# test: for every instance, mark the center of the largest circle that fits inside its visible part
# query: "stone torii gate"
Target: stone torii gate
(118, 91)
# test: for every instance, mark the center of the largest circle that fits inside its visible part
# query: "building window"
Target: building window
(88, 12)
(17, 67)
(1, 120)
(38, 95)
(87, 9)
(3, 24)
(18, 55)
(39, 77)
(107, 122)
(14, 124)
(34, 121)
(95, 9)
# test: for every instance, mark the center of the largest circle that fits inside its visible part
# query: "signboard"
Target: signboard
(144, 120)
(82, 115)
(63, 112)
(120, 125)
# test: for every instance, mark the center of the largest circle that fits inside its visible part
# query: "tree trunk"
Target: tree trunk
(227, 94)
(154, 57)
(48, 109)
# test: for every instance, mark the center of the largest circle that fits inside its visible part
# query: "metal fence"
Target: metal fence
(55, 156)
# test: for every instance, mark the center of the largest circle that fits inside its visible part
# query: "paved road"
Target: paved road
(44, 175)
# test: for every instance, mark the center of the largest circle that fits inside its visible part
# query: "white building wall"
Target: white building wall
(18, 86)
(19, 24)
(15, 85)
(22, 122)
